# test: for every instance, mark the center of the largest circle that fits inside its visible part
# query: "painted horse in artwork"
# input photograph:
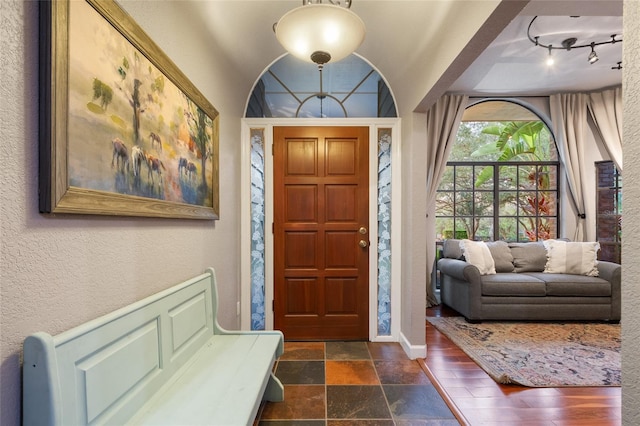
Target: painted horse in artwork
(155, 166)
(191, 170)
(137, 156)
(120, 156)
(155, 140)
(182, 165)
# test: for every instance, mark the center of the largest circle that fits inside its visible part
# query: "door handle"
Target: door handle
(362, 230)
(363, 243)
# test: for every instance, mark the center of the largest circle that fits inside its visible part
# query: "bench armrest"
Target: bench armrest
(41, 400)
(218, 329)
(280, 351)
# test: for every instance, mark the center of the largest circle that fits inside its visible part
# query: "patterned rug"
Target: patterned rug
(539, 354)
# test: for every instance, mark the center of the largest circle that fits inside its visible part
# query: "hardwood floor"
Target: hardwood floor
(475, 399)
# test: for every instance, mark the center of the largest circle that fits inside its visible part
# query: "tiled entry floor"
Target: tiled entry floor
(353, 383)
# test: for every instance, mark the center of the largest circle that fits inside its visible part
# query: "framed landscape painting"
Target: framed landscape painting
(122, 129)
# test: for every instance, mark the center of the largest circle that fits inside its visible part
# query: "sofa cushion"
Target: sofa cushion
(451, 249)
(528, 257)
(573, 285)
(502, 256)
(572, 257)
(477, 253)
(512, 284)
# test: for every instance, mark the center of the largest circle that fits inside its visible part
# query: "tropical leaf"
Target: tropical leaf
(485, 175)
(495, 130)
(486, 149)
(519, 131)
(518, 149)
(516, 140)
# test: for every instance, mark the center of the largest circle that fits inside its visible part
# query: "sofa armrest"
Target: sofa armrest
(461, 287)
(612, 272)
(459, 269)
(609, 271)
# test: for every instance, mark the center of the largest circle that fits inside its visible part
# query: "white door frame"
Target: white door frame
(267, 124)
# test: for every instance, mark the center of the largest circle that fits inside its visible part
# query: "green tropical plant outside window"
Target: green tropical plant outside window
(501, 181)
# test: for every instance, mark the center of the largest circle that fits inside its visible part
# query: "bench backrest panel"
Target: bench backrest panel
(105, 370)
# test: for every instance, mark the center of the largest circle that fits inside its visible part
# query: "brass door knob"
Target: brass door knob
(363, 243)
(362, 230)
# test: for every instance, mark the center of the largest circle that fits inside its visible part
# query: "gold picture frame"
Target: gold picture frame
(122, 130)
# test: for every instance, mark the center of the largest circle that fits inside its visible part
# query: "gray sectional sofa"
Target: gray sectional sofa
(520, 290)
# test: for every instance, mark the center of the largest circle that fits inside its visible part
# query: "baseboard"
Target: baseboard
(384, 339)
(412, 351)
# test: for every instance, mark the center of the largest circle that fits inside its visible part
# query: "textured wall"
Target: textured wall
(414, 222)
(631, 217)
(57, 272)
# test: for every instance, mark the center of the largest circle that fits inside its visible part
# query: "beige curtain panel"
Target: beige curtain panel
(443, 120)
(569, 118)
(606, 110)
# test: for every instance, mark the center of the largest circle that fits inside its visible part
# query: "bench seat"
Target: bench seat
(224, 392)
(164, 360)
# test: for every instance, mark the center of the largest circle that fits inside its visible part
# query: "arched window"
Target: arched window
(292, 88)
(502, 177)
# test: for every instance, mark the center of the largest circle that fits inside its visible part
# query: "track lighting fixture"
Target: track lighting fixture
(571, 43)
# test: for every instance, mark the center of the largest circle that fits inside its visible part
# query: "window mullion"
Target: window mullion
(496, 203)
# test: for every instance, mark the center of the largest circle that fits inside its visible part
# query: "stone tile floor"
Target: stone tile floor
(353, 384)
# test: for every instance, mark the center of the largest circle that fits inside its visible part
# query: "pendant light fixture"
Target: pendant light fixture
(319, 32)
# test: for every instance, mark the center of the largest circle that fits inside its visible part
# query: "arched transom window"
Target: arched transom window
(292, 88)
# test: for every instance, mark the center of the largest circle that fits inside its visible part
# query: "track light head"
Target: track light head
(550, 60)
(593, 56)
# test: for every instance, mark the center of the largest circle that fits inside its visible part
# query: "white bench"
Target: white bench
(164, 360)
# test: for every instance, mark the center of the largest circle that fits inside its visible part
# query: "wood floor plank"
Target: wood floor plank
(476, 399)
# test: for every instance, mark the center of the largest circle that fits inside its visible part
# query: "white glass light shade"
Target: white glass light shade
(320, 28)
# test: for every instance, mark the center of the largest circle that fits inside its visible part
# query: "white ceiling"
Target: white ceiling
(412, 43)
(424, 48)
(513, 65)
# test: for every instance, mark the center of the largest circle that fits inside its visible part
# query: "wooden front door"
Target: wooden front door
(321, 232)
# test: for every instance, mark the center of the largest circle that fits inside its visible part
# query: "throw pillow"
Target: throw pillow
(572, 257)
(451, 249)
(528, 257)
(502, 256)
(477, 253)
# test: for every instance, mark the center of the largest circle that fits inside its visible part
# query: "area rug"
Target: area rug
(539, 354)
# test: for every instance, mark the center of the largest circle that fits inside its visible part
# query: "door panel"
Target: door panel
(301, 203)
(321, 215)
(341, 203)
(300, 250)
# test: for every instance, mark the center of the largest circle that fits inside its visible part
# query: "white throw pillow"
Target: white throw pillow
(477, 253)
(564, 257)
